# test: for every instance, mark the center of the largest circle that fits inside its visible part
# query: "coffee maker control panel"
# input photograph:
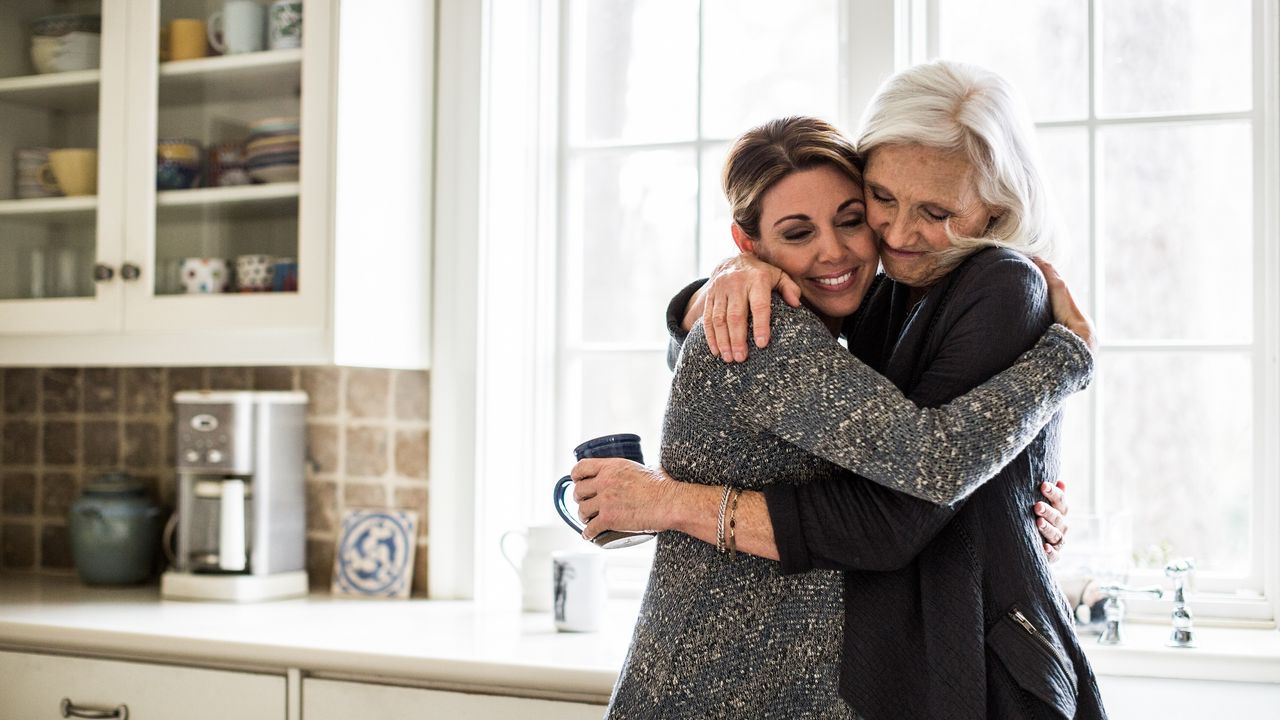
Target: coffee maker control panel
(215, 437)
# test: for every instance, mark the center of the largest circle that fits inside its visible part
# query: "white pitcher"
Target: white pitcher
(533, 565)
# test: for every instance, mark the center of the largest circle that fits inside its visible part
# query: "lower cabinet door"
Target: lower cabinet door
(335, 700)
(35, 686)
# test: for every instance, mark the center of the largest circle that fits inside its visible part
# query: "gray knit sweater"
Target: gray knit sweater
(724, 639)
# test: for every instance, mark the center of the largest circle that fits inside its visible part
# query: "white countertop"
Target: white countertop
(424, 641)
(456, 644)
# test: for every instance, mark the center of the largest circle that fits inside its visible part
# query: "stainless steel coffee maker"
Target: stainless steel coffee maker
(241, 520)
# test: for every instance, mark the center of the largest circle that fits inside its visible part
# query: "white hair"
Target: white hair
(956, 107)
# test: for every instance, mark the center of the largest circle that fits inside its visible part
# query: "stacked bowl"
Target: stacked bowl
(60, 43)
(271, 153)
(178, 162)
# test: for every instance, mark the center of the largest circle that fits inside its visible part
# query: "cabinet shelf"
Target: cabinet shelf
(243, 202)
(75, 91)
(45, 209)
(226, 196)
(230, 78)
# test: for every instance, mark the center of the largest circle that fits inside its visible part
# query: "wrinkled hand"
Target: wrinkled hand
(618, 494)
(1051, 518)
(740, 284)
(1065, 310)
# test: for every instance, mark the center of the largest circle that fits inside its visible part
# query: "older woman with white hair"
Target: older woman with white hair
(949, 607)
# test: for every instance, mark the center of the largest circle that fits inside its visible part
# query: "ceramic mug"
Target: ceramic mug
(284, 275)
(579, 590)
(623, 445)
(204, 275)
(237, 27)
(73, 171)
(226, 165)
(253, 273)
(27, 163)
(284, 24)
(532, 562)
(186, 39)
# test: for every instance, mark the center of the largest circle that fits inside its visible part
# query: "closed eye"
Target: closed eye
(936, 214)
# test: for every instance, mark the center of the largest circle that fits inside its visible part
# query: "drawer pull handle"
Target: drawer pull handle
(71, 710)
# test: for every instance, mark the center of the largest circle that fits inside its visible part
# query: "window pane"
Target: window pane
(1177, 231)
(1042, 47)
(1179, 453)
(1064, 157)
(1174, 56)
(631, 244)
(715, 243)
(617, 393)
(1076, 450)
(630, 70)
(764, 59)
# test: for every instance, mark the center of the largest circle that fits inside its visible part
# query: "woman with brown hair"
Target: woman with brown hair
(736, 635)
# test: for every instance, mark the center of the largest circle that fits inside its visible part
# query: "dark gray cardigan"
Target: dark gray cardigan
(790, 415)
(935, 628)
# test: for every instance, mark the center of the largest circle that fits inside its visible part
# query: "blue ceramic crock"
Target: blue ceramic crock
(115, 531)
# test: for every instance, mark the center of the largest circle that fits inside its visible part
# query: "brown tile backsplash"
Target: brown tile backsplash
(367, 393)
(61, 390)
(20, 390)
(101, 390)
(367, 438)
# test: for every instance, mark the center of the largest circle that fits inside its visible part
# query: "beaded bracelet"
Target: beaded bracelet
(724, 505)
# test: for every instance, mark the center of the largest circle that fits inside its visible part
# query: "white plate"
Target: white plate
(275, 173)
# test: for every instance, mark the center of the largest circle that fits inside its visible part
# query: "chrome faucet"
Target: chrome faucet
(1113, 610)
(1182, 635)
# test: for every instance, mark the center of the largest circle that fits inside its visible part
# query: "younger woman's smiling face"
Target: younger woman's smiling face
(813, 227)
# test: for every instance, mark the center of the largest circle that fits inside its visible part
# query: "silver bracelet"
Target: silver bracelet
(724, 505)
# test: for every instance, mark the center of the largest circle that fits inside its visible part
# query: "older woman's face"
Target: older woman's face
(813, 227)
(913, 191)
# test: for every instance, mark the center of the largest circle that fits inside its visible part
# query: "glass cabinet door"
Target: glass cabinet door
(219, 160)
(59, 164)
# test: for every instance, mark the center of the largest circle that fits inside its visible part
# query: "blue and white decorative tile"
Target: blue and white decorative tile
(375, 550)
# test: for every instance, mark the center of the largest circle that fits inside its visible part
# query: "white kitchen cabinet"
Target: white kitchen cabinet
(339, 700)
(34, 686)
(93, 280)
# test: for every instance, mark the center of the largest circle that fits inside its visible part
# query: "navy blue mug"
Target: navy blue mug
(608, 446)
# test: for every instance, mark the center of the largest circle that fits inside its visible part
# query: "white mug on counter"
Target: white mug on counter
(580, 591)
(533, 565)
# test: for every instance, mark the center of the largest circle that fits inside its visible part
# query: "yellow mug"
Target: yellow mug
(186, 39)
(73, 171)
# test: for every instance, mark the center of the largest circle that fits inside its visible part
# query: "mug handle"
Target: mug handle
(557, 499)
(48, 180)
(502, 547)
(215, 36)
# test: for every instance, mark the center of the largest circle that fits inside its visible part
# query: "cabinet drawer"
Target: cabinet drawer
(335, 700)
(33, 686)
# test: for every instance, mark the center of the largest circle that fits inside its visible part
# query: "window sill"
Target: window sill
(1221, 654)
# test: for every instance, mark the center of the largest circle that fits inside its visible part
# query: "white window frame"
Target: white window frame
(1254, 596)
(474, 402)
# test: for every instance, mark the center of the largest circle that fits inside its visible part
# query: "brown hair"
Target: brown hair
(766, 154)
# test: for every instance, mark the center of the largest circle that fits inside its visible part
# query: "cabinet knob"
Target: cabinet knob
(129, 271)
(102, 273)
(70, 709)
